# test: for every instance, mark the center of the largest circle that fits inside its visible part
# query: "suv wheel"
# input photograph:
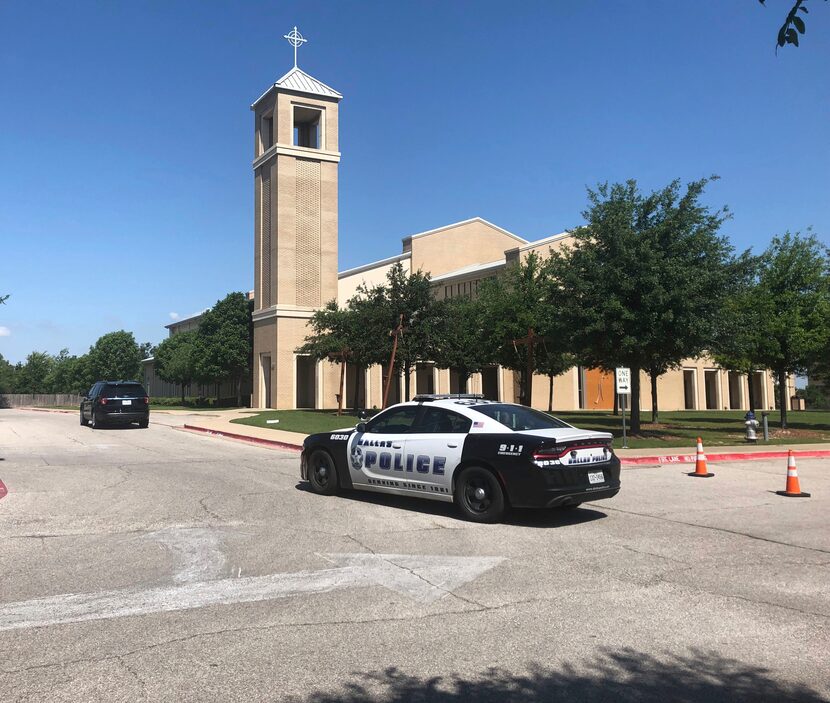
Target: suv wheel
(93, 422)
(84, 423)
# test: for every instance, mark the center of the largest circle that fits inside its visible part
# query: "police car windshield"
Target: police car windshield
(519, 418)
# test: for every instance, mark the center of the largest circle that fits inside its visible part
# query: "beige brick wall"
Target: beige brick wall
(454, 247)
(347, 285)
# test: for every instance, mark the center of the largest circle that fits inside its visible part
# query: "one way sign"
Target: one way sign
(623, 376)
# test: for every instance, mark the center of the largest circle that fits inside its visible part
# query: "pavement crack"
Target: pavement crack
(360, 544)
(715, 529)
(652, 554)
(208, 511)
(128, 474)
(264, 628)
(132, 672)
(435, 585)
(663, 578)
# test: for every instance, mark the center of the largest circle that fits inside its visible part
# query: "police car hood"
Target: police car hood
(569, 434)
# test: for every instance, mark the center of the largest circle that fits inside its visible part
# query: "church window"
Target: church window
(307, 133)
(266, 133)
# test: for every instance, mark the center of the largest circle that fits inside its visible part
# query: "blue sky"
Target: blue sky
(126, 136)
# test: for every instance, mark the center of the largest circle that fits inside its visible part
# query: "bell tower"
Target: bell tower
(296, 156)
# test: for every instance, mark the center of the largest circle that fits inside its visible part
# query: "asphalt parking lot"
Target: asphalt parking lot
(161, 565)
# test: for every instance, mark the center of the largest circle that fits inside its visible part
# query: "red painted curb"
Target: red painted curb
(3, 490)
(241, 437)
(50, 410)
(733, 456)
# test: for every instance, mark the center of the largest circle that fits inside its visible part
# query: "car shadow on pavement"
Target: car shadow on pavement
(109, 428)
(621, 676)
(519, 517)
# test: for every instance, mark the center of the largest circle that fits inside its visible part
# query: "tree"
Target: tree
(739, 343)
(173, 359)
(457, 342)
(793, 298)
(146, 350)
(410, 296)
(32, 377)
(222, 348)
(115, 356)
(7, 376)
(644, 281)
(793, 24)
(69, 374)
(515, 303)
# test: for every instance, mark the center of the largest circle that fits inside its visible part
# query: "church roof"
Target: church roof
(298, 80)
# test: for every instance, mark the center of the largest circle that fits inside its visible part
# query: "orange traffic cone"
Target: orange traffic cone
(793, 487)
(700, 462)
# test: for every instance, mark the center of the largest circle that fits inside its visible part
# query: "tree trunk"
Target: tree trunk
(358, 373)
(751, 390)
(635, 400)
(182, 392)
(782, 396)
(654, 411)
(550, 394)
(616, 399)
(523, 387)
(406, 382)
(239, 391)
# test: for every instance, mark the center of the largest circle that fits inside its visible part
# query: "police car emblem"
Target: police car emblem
(356, 457)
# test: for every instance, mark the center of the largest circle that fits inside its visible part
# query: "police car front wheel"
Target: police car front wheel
(479, 495)
(322, 474)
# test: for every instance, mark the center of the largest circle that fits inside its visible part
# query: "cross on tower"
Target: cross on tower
(296, 40)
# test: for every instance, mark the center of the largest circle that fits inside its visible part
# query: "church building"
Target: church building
(296, 157)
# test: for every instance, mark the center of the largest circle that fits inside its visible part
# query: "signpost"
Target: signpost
(623, 378)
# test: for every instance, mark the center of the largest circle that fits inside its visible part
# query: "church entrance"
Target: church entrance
(306, 382)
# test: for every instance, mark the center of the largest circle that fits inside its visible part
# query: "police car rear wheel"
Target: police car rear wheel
(479, 496)
(321, 473)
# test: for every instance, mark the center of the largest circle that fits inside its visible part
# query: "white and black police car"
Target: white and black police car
(483, 455)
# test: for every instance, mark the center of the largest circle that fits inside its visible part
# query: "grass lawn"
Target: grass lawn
(187, 407)
(304, 421)
(676, 429)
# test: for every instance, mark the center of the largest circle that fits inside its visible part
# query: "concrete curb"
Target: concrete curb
(241, 437)
(625, 461)
(50, 410)
(730, 456)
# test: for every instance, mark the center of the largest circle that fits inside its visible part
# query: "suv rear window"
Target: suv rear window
(124, 390)
(519, 418)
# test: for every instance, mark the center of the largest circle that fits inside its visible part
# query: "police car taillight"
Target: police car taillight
(103, 401)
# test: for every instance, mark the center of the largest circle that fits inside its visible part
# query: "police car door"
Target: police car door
(433, 450)
(376, 456)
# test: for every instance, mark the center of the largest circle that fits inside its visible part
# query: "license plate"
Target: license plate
(126, 402)
(596, 477)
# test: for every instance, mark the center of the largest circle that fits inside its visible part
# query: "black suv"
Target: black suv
(115, 402)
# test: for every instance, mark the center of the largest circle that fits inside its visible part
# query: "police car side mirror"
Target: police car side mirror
(361, 427)
(363, 414)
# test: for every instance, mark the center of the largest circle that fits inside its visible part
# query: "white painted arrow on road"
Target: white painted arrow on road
(423, 578)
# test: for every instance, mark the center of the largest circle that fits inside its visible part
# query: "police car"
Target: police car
(483, 455)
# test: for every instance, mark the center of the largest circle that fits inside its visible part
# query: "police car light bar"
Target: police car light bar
(426, 397)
